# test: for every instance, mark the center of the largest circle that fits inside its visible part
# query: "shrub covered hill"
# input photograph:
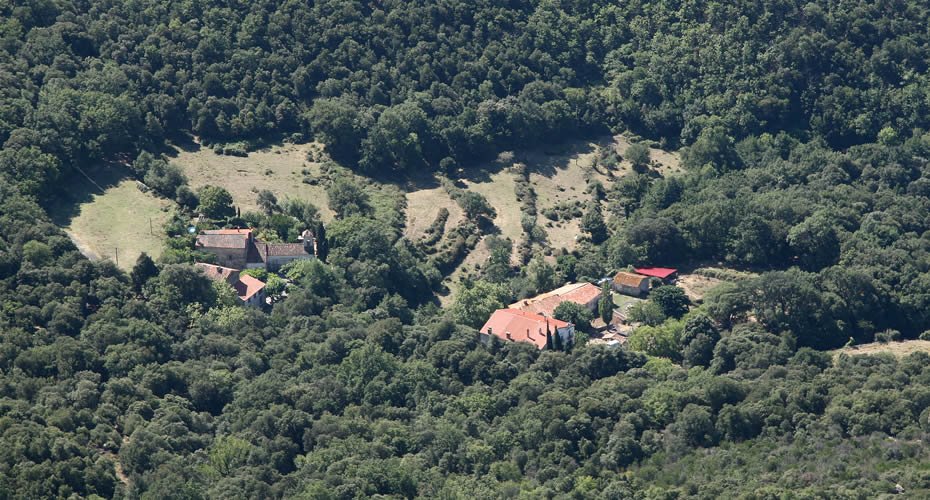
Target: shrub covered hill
(803, 131)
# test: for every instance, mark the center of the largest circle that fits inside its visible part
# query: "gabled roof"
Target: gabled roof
(629, 279)
(522, 326)
(247, 286)
(545, 304)
(656, 272)
(234, 241)
(227, 231)
(583, 294)
(286, 249)
(261, 250)
(218, 273)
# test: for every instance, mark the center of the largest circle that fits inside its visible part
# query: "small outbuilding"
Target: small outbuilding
(632, 284)
(666, 274)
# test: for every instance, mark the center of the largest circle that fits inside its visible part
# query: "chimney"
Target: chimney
(528, 334)
(508, 336)
(309, 242)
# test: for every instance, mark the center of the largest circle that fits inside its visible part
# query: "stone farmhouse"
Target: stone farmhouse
(240, 249)
(251, 291)
(514, 325)
(633, 284)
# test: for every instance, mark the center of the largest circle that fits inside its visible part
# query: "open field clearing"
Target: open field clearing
(277, 169)
(561, 180)
(498, 188)
(422, 207)
(119, 219)
(559, 174)
(669, 163)
(696, 285)
(898, 349)
(477, 257)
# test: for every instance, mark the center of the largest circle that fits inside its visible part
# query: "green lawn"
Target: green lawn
(119, 221)
(623, 301)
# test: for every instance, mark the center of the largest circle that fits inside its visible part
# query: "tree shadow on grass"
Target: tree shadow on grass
(548, 161)
(178, 143)
(545, 161)
(78, 189)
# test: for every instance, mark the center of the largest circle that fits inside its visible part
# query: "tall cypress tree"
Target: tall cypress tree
(605, 307)
(557, 341)
(322, 246)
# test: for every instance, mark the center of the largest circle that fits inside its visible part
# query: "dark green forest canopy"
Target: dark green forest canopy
(803, 127)
(402, 85)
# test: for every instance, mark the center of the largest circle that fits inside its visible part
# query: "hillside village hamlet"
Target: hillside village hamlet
(533, 320)
(237, 249)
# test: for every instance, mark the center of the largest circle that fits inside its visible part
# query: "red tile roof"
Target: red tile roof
(545, 304)
(656, 272)
(583, 294)
(218, 273)
(248, 286)
(629, 279)
(522, 326)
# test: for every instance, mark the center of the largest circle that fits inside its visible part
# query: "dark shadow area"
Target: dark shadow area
(181, 141)
(79, 188)
(545, 161)
(405, 181)
(548, 161)
(487, 226)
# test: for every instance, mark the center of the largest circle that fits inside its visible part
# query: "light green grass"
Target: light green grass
(498, 188)
(623, 301)
(117, 221)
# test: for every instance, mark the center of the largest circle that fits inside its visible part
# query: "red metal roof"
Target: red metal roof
(656, 272)
(522, 326)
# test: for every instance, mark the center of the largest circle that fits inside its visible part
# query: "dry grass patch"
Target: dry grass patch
(498, 188)
(696, 285)
(898, 349)
(477, 257)
(562, 234)
(119, 219)
(422, 208)
(278, 169)
(669, 162)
